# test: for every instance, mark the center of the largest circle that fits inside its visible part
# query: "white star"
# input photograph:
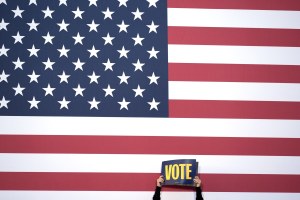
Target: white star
(123, 27)
(32, 2)
(152, 3)
(3, 76)
(33, 25)
(94, 104)
(108, 65)
(123, 78)
(78, 90)
(48, 38)
(153, 104)
(93, 52)
(18, 38)
(48, 90)
(63, 51)
(63, 26)
(138, 65)
(137, 14)
(93, 26)
(33, 51)
(3, 50)
(93, 2)
(64, 103)
(3, 2)
(124, 104)
(48, 12)
(153, 79)
(138, 91)
(48, 64)
(108, 91)
(4, 102)
(152, 27)
(33, 77)
(138, 40)
(18, 12)
(122, 3)
(18, 90)
(34, 103)
(78, 39)
(93, 78)
(107, 13)
(78, 13)
(78, 64)
(108, 39)
(153, 53)
(123, 52)
(3, 25)
(18, 64)
(62, 2)
(63, 77)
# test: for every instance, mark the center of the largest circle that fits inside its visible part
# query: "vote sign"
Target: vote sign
(179, 172)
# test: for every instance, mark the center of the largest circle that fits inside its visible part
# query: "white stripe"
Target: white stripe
(138, 195)
(234, 18)
(131, 163)
(149, 127)
(233, 54)
(234, 91)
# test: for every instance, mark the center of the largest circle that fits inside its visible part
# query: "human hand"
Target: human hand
(197, 181)
(159, 181)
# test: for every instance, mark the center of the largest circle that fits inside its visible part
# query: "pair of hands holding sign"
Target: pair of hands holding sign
(160, 180)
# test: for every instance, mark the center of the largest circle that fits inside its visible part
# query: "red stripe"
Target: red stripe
(234, 36)
(234, 4)
(144, 182)
(234, 73)
(149, 145)
(234, 109)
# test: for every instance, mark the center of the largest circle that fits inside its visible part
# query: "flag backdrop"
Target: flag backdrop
(94, 95)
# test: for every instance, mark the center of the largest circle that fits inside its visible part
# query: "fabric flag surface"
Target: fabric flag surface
(95, 94)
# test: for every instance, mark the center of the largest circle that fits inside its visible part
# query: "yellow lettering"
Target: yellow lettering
(182, 170)
(178, 170)
(168, 171)
(188, 171)
(175, 172)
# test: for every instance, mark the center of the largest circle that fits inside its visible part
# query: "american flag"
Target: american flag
(95, 94)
